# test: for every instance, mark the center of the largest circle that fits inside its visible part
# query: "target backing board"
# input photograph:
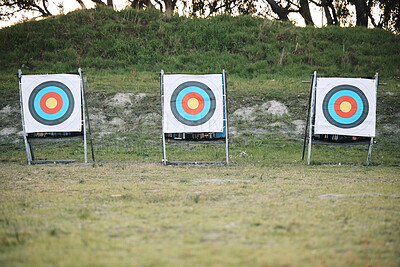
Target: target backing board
(345, 106)
(51, 103)
(193, 103)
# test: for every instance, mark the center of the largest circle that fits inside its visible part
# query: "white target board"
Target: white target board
(193, 103)
(345, 106)
(51, 103)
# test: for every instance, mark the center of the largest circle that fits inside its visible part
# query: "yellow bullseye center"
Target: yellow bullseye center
(193, 103)
(345, 106)
(51, 102)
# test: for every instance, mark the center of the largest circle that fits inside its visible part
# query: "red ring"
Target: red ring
(351, 112)
(186, 107)
(54, 110)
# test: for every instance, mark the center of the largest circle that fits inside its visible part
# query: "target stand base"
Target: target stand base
(354, 143)
(65, 161)
(179, 141)
(195, 163)
(41, 140)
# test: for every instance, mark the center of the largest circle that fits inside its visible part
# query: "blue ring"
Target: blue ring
(38, 98)
(345, 90)
(51, 119)
(335, 116)
(176, 103)
(183, 93)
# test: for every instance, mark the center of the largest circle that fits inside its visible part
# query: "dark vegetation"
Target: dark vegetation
(105, 39)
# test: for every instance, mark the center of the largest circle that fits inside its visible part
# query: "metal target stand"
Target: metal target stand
(225, 123)
(29, 140)
(310, 123)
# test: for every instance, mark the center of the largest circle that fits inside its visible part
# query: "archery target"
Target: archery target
(51, 103)
(193, 103)
(345, 106)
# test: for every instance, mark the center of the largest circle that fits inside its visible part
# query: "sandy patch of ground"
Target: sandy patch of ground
(275, 108)
(8, 131)
(122, 99)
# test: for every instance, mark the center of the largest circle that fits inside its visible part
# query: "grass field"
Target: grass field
(148, 215)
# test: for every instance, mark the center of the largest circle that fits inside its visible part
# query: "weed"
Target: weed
(83, 214)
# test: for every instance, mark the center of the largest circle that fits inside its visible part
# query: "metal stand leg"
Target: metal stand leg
(88, 118)
(162, 116)
(83, 115)
(32, 155)
(370, 150)
(164, 150)
(311, 117)
(225, 95)
(309, 151)
(308, 117)
(28, 147)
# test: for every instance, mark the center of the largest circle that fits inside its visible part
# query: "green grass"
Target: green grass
(146, 214)
(250, 151)
(103, 39)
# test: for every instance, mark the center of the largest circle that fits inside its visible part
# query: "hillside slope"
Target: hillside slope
(102, 38)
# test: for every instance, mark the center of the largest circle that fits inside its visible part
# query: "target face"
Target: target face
(51, 103)
(345, 106)
(193, 103)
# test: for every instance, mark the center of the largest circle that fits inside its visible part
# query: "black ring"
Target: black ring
(201, 86)
(64, 117)
(356, 90)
